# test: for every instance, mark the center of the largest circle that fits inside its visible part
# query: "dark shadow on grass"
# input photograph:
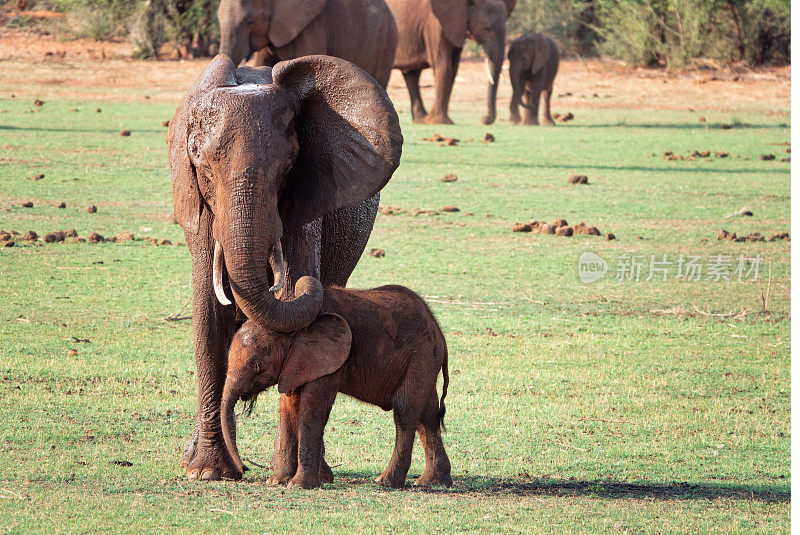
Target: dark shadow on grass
(654, 170)
(88, 130)
(682, 126)
(489, 486)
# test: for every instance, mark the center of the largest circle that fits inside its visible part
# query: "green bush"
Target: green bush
(148, 24)
(566, 21)
(676, 32)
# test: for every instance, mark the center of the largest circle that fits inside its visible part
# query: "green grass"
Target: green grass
(616, 406)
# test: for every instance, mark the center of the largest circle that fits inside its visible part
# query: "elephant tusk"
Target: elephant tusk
(217, 275)
(278, 268)
(489, 73)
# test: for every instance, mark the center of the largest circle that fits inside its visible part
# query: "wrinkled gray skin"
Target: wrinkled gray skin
(432, 34)
(532, 67)
(270, 172)
(360, 31)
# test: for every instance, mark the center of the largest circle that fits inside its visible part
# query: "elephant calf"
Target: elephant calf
(380, 346)
(532, 67)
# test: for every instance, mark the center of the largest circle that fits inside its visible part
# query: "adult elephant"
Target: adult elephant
(269, 167)
(360, 31)
(432, 34)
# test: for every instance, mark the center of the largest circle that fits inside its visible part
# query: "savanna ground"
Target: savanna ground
(644, 406)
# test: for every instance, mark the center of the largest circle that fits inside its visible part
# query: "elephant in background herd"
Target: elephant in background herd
(270, 171)
(432, 34)
(360, 31)
(532, 67)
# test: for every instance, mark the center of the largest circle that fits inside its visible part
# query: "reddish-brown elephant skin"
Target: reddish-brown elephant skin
(432, 34)
(361, 31)
(532, 66)
(263, 161)
(380, 346)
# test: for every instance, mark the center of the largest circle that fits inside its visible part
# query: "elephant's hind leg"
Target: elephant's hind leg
(406, 415)
(437, 464)
(547, 118)
(417, 107)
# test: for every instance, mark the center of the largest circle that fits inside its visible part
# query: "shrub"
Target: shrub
(675, 32)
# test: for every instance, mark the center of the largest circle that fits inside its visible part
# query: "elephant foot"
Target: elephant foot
(325, 472)
(433, 478)
(438, 119)
(420, 119)
(391, 479)
(213, 464)
(548, 122)
(515, 120)
(487, 119)
(305, 481)
(532, 122)
(281, 478)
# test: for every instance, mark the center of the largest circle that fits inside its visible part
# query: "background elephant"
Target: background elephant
(381, 346)
(532, 67)
(432, 34)
(258, 158)
(360, 31)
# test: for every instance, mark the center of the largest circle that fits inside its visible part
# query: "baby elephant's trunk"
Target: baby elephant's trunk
(230, 396)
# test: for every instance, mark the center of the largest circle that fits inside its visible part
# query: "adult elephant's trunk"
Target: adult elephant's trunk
(234, 40)
(515, 72)
(249, 245)
(494, 65)
(230, 395)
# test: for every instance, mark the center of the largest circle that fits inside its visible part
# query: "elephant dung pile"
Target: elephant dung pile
(563, 118)
(442, 140)
(9, 239)
(579, 179)
(559, 227)
(693, 155)
(752, 237)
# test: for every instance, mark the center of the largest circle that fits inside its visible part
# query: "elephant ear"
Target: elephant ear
(348, 135)
(318, 350)
(510, 5)
(186, 199)
(452, 15)
(289, 17)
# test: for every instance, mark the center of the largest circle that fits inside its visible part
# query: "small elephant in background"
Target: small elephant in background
(532, 67)
(381, 346)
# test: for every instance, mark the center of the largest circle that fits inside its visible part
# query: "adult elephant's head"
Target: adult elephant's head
(485, 22)
(249, 25)
(268, 150)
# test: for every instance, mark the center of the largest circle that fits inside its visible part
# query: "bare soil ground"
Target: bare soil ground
(45, 67)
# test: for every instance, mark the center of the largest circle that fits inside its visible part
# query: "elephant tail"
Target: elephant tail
(445, 383)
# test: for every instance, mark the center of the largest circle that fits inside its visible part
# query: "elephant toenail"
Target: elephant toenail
(209, 474)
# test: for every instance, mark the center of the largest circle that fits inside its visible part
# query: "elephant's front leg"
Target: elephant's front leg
(207, 456)
(284, 453)
(317, 399)
(445, 68)
(533, 94)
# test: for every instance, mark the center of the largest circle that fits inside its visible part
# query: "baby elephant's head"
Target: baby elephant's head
(259, 359)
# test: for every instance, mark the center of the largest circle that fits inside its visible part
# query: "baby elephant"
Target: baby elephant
(380, 346)
(532, 67)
